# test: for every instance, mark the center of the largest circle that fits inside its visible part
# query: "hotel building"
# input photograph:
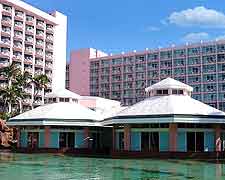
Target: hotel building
(123, 77)
(36, 42)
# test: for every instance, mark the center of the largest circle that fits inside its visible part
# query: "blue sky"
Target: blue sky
(125, 25)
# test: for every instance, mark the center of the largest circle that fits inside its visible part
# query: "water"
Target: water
(59, 167)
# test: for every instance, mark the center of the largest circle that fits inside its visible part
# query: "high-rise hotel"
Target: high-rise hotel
(36, 42)
(125, 76)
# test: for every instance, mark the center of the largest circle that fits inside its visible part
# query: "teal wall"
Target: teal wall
(117, 141)
(79, 139)
(23, 139)
(209, 141)
(54, 140)
(181, 142)
(163, 141)
(135, 141)
(41, 140)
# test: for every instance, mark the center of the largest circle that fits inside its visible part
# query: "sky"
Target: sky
(116, 26)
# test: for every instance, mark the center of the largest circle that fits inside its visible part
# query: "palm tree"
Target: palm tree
(39, 82)
(10, 95)
(10, 72)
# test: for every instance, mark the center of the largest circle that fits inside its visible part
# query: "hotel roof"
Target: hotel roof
(169, 105)
(63, 113)
(169, 83)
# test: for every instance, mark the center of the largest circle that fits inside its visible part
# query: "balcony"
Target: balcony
(49, 48)
(39, 44)
(7, 10)
(17, 47)
(49, 57)
(3, 85)
(6, 22)
(18, 26)
(49, 75)
(40, 25)
(27, 100)
(39, 64)
(29, 31)
(28, 61)
(40, 35)
(49, 29)
(5, 43)
(30, 20)
(17, 58)
(6, 32)
(39, 54)
(48, 65)
(38, 102)
(18, 36)
(4, 64)
(38, 72)
(19, 15)
(30, 70)
(49, 38)
(5, 54)
(29, 40)
(29, 51)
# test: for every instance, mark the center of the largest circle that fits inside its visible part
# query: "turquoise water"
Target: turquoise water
(55, 167)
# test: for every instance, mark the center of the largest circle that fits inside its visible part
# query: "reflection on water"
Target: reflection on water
(54, 167)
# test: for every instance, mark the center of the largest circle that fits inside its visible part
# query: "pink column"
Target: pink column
(47, 136)
(18, 137)
(218, 140)
(86, 137)
(126, 137)
(173, 137)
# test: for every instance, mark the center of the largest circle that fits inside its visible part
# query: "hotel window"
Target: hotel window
(165, 92)
(179, 53)
(18, 13)
(166, 55)
(29, 18)
(128, 60)
(208, 49)
(221, 47)
(177, 91)
(61, 100)
(6, 18)
(179, 62)
(194, 60)
(7, 8)
(193, 51)
(116, 61)
(159, 92)
(153, 56)
(221, 57)
(140, 58)
(53, 99)
(209, 59)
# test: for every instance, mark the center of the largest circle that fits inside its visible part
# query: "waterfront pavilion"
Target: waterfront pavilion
(57, 126)
(168, 121)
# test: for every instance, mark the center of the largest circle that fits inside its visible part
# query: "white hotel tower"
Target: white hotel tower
(36, 42)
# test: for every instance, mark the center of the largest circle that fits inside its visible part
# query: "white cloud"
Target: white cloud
(222, 37)
(152, 28)
(198, 16)
(195, 37)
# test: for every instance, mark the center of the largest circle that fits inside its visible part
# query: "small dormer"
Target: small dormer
(62, 95)
(168, 87)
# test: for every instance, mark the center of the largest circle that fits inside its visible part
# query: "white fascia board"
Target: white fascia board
(198, 120)
(25, 123)
(139, 120)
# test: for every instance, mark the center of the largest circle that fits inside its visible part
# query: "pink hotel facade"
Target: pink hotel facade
(36, 42)
(123, 77)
